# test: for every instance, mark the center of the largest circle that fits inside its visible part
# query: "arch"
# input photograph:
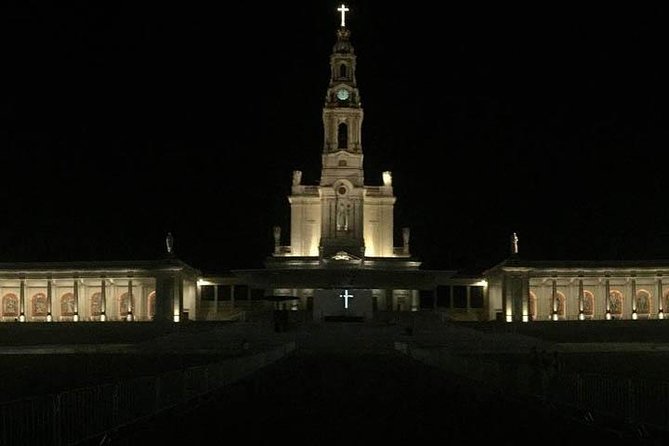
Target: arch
(343, 71)
(125, 301)
(588, 303)
(532, 306)
(96, 304)
(342, 136)
(152, 304)
(67, 304)
(10, 305)
(616, 302)
(39, 304)
(643, 303)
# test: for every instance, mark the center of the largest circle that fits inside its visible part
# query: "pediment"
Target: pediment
(344, 256)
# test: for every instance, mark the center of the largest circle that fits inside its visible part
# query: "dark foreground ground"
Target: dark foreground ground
(314, 399)
(344, 384)
(347, 385)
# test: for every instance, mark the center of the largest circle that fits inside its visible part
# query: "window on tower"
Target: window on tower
(342, 136)
(342, 71)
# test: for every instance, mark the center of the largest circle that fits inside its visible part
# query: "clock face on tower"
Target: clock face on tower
(342, 94)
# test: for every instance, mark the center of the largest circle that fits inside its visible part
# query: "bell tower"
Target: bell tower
(342, 176)
(341, 218)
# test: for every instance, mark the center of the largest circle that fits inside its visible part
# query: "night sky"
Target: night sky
(123, 122)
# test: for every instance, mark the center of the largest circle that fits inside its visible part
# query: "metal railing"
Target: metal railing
(627, 401)
(73, 416)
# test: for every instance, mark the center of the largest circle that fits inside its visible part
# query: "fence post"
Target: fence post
(629, 413)
(55, 420)
(156, 394)
(578, 398)
(115, 398)
(665, 397)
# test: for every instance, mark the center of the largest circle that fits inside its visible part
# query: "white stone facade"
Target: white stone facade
(341, 213)
(97, 291)
(526, 290)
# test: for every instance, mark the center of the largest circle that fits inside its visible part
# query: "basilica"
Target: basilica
(340, 261)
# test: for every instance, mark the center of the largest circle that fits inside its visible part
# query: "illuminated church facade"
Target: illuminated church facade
(342, 232)
(340, 262)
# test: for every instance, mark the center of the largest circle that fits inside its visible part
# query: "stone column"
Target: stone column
(660, 302)
(634, 314)
(506, 300)
(49, 287)
(451, 297)
(215, 300)
(525, 304)
(130, 316)
(75, 292)
(22, 301)
(415, 300)
(179, 285)
(103, 300)
(554, 313)
(607, 292)
(581, 315)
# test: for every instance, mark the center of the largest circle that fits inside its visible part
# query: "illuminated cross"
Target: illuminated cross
(343, 9)
(345, 295)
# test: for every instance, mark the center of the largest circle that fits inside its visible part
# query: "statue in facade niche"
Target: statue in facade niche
(343, 215)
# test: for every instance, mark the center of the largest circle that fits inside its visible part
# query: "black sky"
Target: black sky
(123, 122)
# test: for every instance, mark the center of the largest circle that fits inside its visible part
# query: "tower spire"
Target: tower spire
(342, 219)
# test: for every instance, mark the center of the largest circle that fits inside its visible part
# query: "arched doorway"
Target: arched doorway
(10, 305)
(643, 304)
(96, 305)
(39, 305)
(67, 304)
(616, 304)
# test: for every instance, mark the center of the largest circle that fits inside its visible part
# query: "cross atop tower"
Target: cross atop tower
(343, 9)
